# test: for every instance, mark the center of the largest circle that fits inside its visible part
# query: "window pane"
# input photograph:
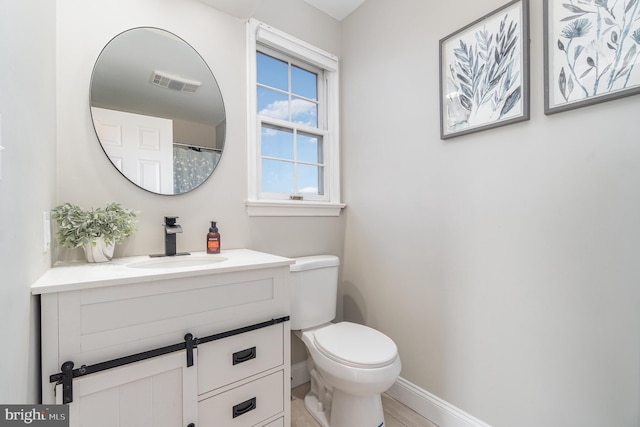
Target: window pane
(304, 83)
(309, 180)
(304, 112)
(272, 72)
(277, 142)
(277, 176)
(273, 104)
(309, 148)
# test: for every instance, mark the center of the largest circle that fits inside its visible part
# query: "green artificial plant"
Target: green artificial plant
(78, 227)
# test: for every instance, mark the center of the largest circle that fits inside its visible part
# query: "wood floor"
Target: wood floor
(395, 413)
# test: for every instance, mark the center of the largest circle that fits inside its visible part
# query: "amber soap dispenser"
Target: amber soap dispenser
(213, 239)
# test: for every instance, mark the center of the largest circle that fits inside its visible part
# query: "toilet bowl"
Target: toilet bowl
(349, 364)
(354, 364)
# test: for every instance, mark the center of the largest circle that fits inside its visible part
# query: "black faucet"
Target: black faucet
(170, 231)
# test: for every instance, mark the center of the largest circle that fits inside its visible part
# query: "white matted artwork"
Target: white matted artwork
(591, 52)
(484, 72)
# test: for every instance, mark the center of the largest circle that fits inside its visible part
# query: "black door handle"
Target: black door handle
(244, 355)
(244, 407)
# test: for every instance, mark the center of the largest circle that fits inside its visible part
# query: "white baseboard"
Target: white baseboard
(432, 407)
(421, 401)
(299, 374)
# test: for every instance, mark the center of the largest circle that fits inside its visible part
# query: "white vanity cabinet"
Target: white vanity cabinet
(232, 370)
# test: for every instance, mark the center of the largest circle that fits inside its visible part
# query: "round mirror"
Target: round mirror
(157, 110)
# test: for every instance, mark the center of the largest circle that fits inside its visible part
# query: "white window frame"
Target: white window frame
(260, 204)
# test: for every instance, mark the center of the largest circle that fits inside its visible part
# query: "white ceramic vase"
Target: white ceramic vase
(99, 251)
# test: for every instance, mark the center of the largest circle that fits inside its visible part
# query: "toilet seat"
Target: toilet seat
(355, 345)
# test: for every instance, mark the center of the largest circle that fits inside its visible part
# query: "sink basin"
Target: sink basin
(177, 262)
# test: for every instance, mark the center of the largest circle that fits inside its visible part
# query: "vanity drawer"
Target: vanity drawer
(228, 360)
(277, 423)
(245, 405)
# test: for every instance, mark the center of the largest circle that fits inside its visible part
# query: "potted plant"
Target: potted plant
(96, 230)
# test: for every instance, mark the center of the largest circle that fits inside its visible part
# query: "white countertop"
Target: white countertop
(83, 275)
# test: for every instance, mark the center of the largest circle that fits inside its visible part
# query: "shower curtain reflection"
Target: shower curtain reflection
(192, 166)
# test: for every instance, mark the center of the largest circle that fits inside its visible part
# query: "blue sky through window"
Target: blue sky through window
(297, 101)
(290, 93)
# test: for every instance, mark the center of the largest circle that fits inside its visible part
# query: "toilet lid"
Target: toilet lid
(355, 345)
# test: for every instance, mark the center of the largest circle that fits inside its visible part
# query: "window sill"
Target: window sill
(293, 208)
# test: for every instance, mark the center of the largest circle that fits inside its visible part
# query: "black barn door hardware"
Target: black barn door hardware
(67, 374)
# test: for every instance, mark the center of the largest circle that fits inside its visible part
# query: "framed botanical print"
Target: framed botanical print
(591, 52)
(484, 72)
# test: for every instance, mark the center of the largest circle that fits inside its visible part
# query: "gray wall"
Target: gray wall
(27, 186)
(504, 264)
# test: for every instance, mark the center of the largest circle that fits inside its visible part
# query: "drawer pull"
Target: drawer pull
(244, 407)
(244, 355)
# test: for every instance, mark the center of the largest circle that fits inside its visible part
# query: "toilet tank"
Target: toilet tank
(314, 288)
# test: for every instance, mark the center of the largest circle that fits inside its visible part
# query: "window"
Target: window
(291, 131)
(293, 108)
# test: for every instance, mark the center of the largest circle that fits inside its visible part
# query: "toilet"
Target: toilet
(350, 365)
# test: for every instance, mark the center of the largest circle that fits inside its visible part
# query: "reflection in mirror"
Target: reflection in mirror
(157, 110)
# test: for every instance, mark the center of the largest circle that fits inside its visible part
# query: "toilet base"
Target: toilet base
(316, 409)
(346, 408)
(367, 410)
(332, 407)
(318, 400)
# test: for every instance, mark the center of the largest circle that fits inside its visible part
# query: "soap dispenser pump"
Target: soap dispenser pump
(213, 239)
